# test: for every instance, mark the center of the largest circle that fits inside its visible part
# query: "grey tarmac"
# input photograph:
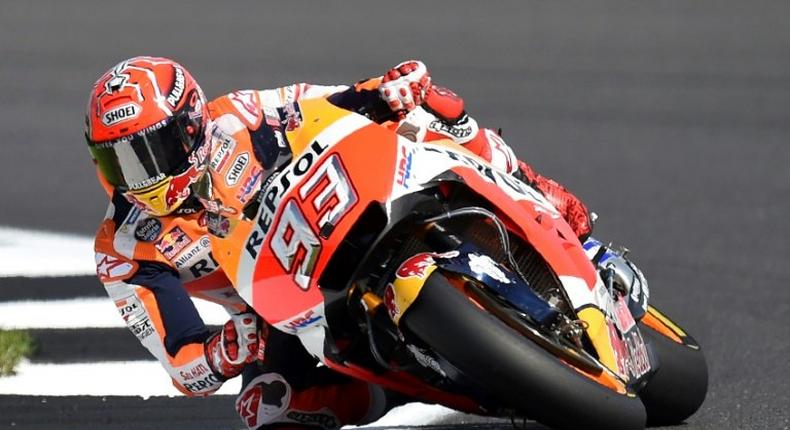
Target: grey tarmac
(670, 119)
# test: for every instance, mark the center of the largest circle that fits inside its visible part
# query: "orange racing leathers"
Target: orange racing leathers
(151, 266)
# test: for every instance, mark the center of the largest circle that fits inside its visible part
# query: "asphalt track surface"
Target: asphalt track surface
(670, 119)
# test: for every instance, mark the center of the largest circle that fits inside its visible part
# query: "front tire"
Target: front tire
(513, 369)
(678, 388)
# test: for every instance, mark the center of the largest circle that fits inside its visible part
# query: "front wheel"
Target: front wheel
(512, 368)
(679, 386)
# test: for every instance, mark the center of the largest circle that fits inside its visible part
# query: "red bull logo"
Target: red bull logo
(415, 266)
(173, 242)
(390, 303)
(418, 264)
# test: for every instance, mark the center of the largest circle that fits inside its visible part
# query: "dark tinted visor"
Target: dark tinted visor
(144, 158)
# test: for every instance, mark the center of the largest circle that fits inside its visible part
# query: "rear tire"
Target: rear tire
(515, 370)
(678, 388)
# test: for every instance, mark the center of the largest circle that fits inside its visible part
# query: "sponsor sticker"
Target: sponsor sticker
(173, 242)
(457, 131)
(145, 183)
(624, 319)
(390, 303)
(124, 112)
(322, 420)
(109, 268)
(237, 168)
(271, 116)
(135, 316)
(178, 88)
(205, 383)
(134, 215)
(639, 362)
(205, 265)
(417, 265)
(484, 265)
(249, 185)
(195, 251)
(196, 372)
(148, 230)
(293, 116)
(404, 166)
(219, 159)
(305, 320)
(218, 225)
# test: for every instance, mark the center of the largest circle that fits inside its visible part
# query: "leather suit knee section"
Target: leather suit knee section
(270, 402)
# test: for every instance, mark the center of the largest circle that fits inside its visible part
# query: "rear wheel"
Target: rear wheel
(679, 386)
(512, 368)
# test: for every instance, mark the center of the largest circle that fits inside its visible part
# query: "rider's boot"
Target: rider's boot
(456, 124)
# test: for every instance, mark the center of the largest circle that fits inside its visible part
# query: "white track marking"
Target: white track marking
(82, 313)
(38, 253)
(116, 378)
(148, 378)
(415, 414)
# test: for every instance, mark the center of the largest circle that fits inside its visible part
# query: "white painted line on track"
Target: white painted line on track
(38, 253)
(148, 378)
(414, 414)
(83, 313)
(116, 378)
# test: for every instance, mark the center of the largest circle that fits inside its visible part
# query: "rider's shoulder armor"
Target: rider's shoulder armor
(246, 141)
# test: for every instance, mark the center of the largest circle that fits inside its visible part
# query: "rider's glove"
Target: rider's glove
(405, 86)
(623, 274)
(236, 344)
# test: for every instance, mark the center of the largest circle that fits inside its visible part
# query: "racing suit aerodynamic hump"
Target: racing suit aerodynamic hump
(151, 266)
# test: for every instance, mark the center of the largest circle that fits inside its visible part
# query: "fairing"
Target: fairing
(342, 164)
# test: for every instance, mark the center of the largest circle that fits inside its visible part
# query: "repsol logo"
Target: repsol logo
(223, 152)
(237, 168)
(203, 267)
(178, 88)
(275, 192)
(121, 113)
(203, 384)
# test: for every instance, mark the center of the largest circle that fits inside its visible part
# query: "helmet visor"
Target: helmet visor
(145, 158)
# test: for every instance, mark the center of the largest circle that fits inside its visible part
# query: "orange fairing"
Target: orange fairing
(307, 209)
(660, 323)
(342, 163)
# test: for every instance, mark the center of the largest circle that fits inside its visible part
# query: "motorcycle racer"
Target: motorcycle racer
(153, 137)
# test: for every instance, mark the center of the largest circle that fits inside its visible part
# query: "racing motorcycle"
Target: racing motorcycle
(419, 267)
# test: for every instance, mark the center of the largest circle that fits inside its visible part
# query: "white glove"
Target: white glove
(234, 345)
(405, 86)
